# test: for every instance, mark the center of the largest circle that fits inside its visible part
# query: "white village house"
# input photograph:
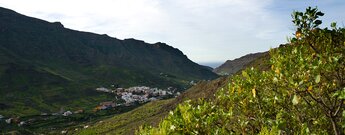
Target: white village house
(67, 113)
(102, 89)
(22, 123)
(9, 121)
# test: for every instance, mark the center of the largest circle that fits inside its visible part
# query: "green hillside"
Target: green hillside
(153, 113)
(45, 67)
(302, 93)
(148, 114)
(298, 88)
(231, 67)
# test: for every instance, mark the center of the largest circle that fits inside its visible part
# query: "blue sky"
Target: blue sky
(205, 30)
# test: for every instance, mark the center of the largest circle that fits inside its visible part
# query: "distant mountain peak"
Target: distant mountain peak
(232, 66)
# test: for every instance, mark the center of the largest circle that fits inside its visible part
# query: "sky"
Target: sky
(207, 31)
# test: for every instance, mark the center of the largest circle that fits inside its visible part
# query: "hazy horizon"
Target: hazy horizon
(211, 64)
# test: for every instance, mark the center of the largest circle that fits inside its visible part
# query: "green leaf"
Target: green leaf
(275, 79)
(318, 22)
(320, 13)
(340, 94)
(333, 24)
(245, 74)
(317, 78)
(295, 100)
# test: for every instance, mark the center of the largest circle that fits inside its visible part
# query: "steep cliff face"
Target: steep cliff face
(232, 66)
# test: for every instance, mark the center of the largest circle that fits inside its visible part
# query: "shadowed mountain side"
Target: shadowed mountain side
(44, 42)
(50, 65)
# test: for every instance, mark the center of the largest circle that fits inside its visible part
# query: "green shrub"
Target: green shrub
(302, 93)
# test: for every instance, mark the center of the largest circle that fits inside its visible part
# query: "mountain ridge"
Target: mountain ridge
(232, 66)
(54, 66)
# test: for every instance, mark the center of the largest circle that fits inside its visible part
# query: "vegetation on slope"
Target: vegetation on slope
(126, 123)
(150, 113)
(203, 89)
(302, 93)
(44, 66)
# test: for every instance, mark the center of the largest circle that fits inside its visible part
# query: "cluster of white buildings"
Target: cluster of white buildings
(140, 94)
(143, 94)
(131, 98)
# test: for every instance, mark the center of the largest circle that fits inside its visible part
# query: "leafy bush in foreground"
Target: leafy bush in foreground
(302, 93)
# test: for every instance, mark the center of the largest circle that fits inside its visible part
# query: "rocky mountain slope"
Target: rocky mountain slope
(44, 66)
(232, 66)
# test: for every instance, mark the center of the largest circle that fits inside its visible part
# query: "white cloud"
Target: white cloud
(205, 30)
